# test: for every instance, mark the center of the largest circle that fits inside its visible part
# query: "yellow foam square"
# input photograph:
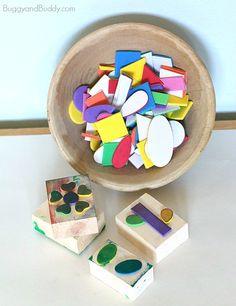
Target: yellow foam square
(174, 100)
(141, 147)
(111, 128)
(134, 71)
(181, 113)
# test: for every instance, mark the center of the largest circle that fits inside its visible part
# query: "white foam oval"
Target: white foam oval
(134, 103)
(178, 132)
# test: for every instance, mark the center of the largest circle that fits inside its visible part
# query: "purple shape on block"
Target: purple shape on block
(78, 96)
(140, 210)
(157, 87)
(90, 114)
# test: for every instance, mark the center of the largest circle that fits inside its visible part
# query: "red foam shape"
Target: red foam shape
(150, 77)
(98, 99)
(112, 86)
(122, 153)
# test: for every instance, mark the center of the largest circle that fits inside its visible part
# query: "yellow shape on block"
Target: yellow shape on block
(111, 128)
(141, 147)
(75, 115)
(106, 67)
(181, 113)
(174, 100)
(134, 71)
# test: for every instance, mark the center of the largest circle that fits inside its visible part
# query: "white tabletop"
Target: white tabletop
(35, 271)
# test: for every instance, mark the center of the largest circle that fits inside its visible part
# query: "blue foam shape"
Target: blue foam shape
(151, 103)
(124, 58)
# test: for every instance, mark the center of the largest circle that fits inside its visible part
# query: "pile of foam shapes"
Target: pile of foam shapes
(134, 112)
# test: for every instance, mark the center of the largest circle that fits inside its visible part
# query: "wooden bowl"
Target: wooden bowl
(79, 66)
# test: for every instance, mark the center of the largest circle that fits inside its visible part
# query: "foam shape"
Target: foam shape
(148, 56)
(166, 215)
(111, 128)
(124, 58)
(122, 153)
(94, 144)
(108, 152)
(112, 86)
(101, 85)
(136, 160)
(178, 132)
(161, 227)
(90, 136)
(173, 100)
(153, 246)
(76, 244)
(75, 115)
(159, 146)
(166, 72)
(134, 103)
(150, 104)
(181, 113)
(149, 76)
(130, 121)
(67, 225)
(134, 220)
(103, 116)
(160, 98)
(89, 130)
(133, 136)
(91, 113)
(143, 125)
(78, 96)
(157, 87)
(122, 89)
(159, 60)
(134, 71)
(121, 270)
(146, 160)
(163, 109)
(174, 83)
(110, 67)
(98, 155)
(98, 99)
(84, 191)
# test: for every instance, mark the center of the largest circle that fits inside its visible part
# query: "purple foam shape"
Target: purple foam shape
(157, 87)
(91, 113)
(78, 96)
(140, 210)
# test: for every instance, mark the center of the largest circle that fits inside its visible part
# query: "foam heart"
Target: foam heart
(64, 208)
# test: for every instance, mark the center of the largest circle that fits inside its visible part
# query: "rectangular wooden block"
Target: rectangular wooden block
(144, 236)
(41, 222)
(71, 207)
(121, 270)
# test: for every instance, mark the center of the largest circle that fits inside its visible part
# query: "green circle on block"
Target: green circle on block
(128, 266)
(106, 254)
(55, 196)
(134, 220)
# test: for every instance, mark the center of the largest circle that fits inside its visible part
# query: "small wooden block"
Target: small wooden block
(143, 123)
(75, 115)
(160, 98)
(146, 160)
(159, 146)
(154, 245)
(122, 153)
(97, 99)
(134, 71)
(101, 85)
(134, 103)
(111, 128)
(122, 89)
(108, 152)
(181, 113)
(124, 58)
(121, 270)
(178, 132)
(68, 223)
(42, 224)
(159, 60)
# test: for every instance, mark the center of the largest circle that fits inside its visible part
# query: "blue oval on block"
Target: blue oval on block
(128, 266)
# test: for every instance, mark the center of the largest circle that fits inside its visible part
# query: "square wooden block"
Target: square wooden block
(121, 270)
(71, 207)
(152, 243)
(41, 222)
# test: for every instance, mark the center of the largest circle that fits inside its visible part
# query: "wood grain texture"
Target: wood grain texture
(79, 66)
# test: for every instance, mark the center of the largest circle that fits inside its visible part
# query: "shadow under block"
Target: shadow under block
(121, 270)
(154, 245)
(41, 222)
(71, 206)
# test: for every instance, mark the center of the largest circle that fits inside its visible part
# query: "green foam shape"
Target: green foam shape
(36, 227)
(64, 208)
(106, 254)
(134, 220)
(84, 190)
(108, 152)
(55, 196)
(128, 266)
(81, 205)
(160, 98)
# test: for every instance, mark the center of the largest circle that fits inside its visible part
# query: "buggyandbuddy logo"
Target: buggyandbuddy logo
(39, 8)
